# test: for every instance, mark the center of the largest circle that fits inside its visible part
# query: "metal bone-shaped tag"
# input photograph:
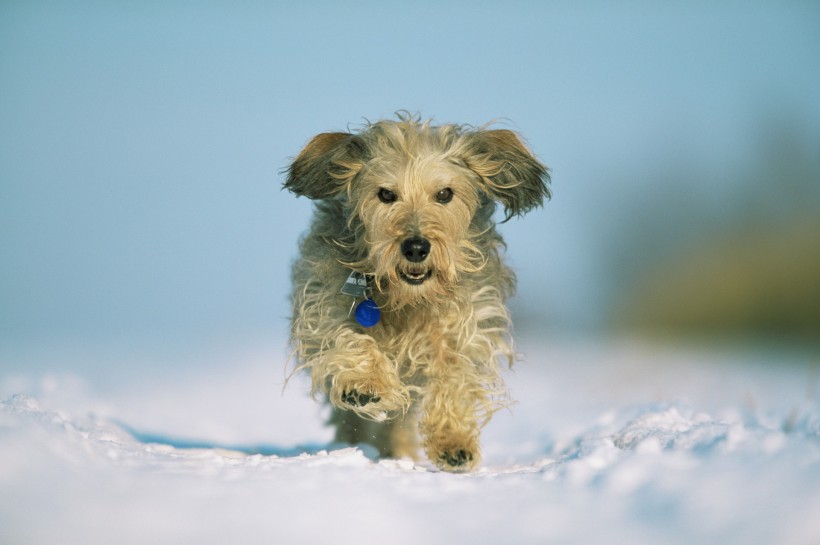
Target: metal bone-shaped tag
(355, 285)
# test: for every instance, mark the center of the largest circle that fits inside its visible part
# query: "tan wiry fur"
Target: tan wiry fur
(429, 372)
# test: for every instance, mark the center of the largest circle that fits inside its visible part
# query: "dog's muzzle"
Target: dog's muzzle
(415, 250)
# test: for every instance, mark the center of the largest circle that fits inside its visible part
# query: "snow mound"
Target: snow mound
(570, 464)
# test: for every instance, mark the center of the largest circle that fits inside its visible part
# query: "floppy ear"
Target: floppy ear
(509, 172)
(325, 166)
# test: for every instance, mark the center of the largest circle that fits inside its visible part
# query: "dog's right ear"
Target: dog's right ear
(510, 173)
(326, 165)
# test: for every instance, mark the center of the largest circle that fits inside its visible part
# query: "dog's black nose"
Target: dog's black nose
(415, 249)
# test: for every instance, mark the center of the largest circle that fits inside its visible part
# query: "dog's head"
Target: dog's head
(418, 199)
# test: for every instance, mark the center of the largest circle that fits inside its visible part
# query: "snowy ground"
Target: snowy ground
(609, 443)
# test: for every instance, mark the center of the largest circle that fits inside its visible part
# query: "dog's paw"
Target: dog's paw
(358, 376)
(455, 459)
(454, 455)
(355, 398)
(370, 397)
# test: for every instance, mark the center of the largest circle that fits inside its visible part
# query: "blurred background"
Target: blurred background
(142, 147)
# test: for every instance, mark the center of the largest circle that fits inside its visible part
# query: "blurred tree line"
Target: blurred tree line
(713, 253)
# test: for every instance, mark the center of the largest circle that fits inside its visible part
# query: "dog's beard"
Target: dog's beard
(404, 283)
(401, 282)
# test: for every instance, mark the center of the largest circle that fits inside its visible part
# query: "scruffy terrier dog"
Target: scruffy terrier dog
(399, 292)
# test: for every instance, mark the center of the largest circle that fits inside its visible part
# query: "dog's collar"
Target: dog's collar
(359, 286)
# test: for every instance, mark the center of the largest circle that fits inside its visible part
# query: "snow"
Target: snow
(610, 442)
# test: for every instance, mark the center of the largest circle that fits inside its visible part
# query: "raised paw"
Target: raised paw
(377, 400)
(355, 398)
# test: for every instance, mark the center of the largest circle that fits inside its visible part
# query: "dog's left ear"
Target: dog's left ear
(326, 165)
(509, 172)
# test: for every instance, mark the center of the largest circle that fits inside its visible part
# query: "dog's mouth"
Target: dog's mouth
(415, 278)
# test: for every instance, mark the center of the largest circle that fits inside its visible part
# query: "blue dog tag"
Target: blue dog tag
(368, 313)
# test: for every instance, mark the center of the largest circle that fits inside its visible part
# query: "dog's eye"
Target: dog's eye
(444, 195)
(387, 196)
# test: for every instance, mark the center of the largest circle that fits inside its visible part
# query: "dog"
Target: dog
(399, 290)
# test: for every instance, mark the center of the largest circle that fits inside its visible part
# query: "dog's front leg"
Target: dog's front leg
(450, 422)
(356, 375)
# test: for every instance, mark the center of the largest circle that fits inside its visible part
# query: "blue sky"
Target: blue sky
(141, 145)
